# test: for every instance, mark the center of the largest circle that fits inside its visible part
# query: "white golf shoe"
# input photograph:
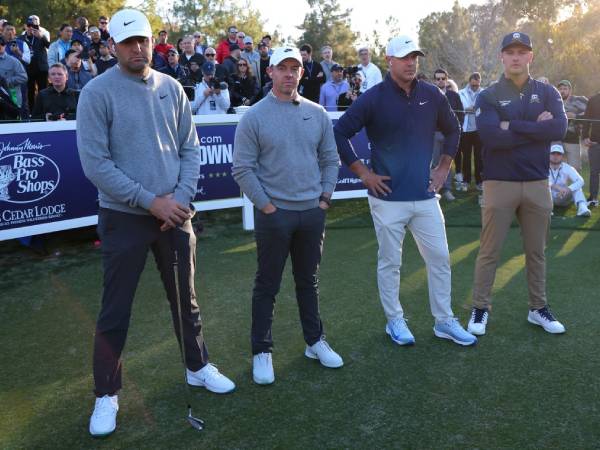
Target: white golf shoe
(104, 418)
(262, 368)
(210, 378)
(545, 319)
(324, 353)
(583, 210)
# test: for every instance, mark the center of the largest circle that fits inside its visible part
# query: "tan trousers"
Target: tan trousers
(573, 155)
(531, 202)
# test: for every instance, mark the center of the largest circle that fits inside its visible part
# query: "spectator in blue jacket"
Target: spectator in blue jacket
(401, 116)
(517, 119)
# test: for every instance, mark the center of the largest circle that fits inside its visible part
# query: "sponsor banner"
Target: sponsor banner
(41, 180)
(347, 181)
(216, 158)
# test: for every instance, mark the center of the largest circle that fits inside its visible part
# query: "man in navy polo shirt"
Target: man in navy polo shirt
(517, 119)
(401, 116)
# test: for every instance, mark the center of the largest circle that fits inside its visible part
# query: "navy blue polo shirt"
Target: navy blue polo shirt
(521, 153)
(401, 130)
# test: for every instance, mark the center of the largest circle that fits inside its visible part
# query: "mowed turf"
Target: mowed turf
(519, 388)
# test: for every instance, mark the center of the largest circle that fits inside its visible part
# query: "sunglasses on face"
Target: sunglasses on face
(103, 23)
(210, 54)
(242, 65)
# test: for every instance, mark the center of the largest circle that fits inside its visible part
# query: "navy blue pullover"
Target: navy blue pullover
(521, 153)
(400, 129)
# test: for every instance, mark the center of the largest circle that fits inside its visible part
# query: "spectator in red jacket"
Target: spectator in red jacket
(223, 47)
(162, 47)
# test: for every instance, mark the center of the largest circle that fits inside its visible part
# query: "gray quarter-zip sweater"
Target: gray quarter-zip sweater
(285, 153)
(137, 140)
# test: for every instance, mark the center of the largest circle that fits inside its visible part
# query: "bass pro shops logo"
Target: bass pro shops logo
(27, 177)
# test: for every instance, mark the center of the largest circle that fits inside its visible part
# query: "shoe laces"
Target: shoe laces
(546, 314)
(399, 324)
(479, 315)
(104, 407)
(263, 358)
(324, 345)
(211, 372)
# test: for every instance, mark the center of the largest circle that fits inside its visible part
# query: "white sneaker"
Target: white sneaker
(324, 353)
(458, 177)
(262, 368)
(545, 319)
(210, 378)
(104, 418)
(583, 210)
(478, 321)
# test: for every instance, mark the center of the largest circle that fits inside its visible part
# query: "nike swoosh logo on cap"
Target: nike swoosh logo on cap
(128, 23)
(422, 103)
(163, 96)
(407, 42)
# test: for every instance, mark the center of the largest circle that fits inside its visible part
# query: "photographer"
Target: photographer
(86, 61)
(16, 47)
(212, 95)
(355, 79)
(56, 102)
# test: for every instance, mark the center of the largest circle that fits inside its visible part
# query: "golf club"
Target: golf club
(195, 422)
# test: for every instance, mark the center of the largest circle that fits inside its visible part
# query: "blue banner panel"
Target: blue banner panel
(347, 181)
(216, 157)
(41, 180)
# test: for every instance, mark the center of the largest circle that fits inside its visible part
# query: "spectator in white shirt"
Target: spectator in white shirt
(211, 96)
(565, 182)
(372, 74)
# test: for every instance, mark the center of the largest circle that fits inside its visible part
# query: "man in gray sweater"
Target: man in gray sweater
(138, 145)
(286, 162)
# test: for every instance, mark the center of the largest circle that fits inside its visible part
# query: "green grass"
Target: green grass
(519, 388)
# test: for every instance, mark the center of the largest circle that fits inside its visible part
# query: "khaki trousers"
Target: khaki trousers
(531, 202)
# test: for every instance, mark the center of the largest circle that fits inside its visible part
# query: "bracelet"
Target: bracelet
(327, 200)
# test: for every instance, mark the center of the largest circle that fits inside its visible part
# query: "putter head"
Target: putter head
(196, 423)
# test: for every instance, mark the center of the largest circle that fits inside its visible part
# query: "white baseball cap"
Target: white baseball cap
(283, 53)
(127, 23)
(557, 148)
(401, 46)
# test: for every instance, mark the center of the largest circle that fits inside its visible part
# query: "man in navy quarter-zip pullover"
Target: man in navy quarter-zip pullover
(401, 116)
(517, 119)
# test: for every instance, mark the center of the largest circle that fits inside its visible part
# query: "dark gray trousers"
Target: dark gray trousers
(126, 239)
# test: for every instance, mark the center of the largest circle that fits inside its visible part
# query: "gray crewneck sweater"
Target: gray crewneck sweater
(285, 153)
(137, 140)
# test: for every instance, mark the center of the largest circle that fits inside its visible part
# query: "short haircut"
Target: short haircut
(102, 18)
(475, 76)
(306, 48)
(59, 66)
(162, 31)
(64, 25)
(440, 70)
(364, 49)
(70, 52)
(326, 47)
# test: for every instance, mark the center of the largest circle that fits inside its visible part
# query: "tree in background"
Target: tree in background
(465, 40)
(213, 18)
(53, 13)
(327, 24)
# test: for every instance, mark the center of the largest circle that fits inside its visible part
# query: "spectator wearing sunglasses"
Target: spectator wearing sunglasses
(243, 86)
(220, 71)
(103, 27)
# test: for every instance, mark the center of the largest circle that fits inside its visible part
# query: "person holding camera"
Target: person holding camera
(355, 79)
(37, 69)
(211, 95)
(86, 61)
(78, 77)
(243, 86)
(16, 48)
(12, 74)
(56, 102)
(333, 89)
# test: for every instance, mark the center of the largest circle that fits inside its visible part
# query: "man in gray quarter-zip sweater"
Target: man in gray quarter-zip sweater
(286, 162)
(138, 145)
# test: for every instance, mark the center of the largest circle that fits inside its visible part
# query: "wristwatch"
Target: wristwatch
(327, 200)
